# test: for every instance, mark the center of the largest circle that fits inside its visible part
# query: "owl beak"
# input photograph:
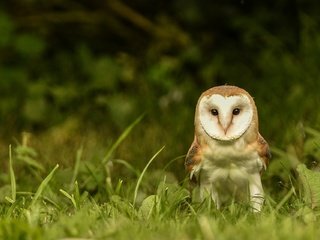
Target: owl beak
(225, 126)
(226, 129)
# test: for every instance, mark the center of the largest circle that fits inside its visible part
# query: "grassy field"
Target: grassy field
(75, 74)
(91, 200)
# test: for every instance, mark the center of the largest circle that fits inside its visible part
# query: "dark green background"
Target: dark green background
(78, 72)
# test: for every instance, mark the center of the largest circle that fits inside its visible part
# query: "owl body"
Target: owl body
(228, 153)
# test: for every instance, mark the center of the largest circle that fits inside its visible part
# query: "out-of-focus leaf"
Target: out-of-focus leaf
(148, 206)
(6, 28)
(311, 185)
(29, 45)
(105, 73)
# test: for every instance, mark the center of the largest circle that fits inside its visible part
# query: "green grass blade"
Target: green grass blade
(77, 193)
(127, 165)
(12, 179)
(106, 158)
(173, 160)
(31, 162)
(142, 174)
(43, 185)
(285, 199)
(312, 132)
(92, 174)
(70, 197)
(118, 187)
(123, 136)
(76, 167)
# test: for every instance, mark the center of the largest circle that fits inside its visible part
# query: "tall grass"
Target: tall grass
(163, 211)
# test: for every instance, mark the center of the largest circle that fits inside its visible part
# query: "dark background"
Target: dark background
(77, 73)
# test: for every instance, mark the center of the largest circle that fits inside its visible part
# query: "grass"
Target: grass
(147, 204)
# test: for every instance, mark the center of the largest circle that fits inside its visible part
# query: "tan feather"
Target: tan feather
(193, 157)
(263, 150)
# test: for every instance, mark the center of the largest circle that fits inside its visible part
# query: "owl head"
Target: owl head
(225, 113)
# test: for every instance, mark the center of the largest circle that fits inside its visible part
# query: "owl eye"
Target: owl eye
(214, 112)
(236, 111)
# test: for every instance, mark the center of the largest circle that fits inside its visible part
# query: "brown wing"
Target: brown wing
(193, 158)
(264, 150)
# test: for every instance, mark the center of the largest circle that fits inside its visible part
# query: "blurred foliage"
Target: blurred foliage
(77, 70)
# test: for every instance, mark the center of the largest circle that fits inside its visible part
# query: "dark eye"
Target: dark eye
(236, 111)
(214, 112)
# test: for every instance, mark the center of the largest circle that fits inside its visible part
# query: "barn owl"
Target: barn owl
(228, 153)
